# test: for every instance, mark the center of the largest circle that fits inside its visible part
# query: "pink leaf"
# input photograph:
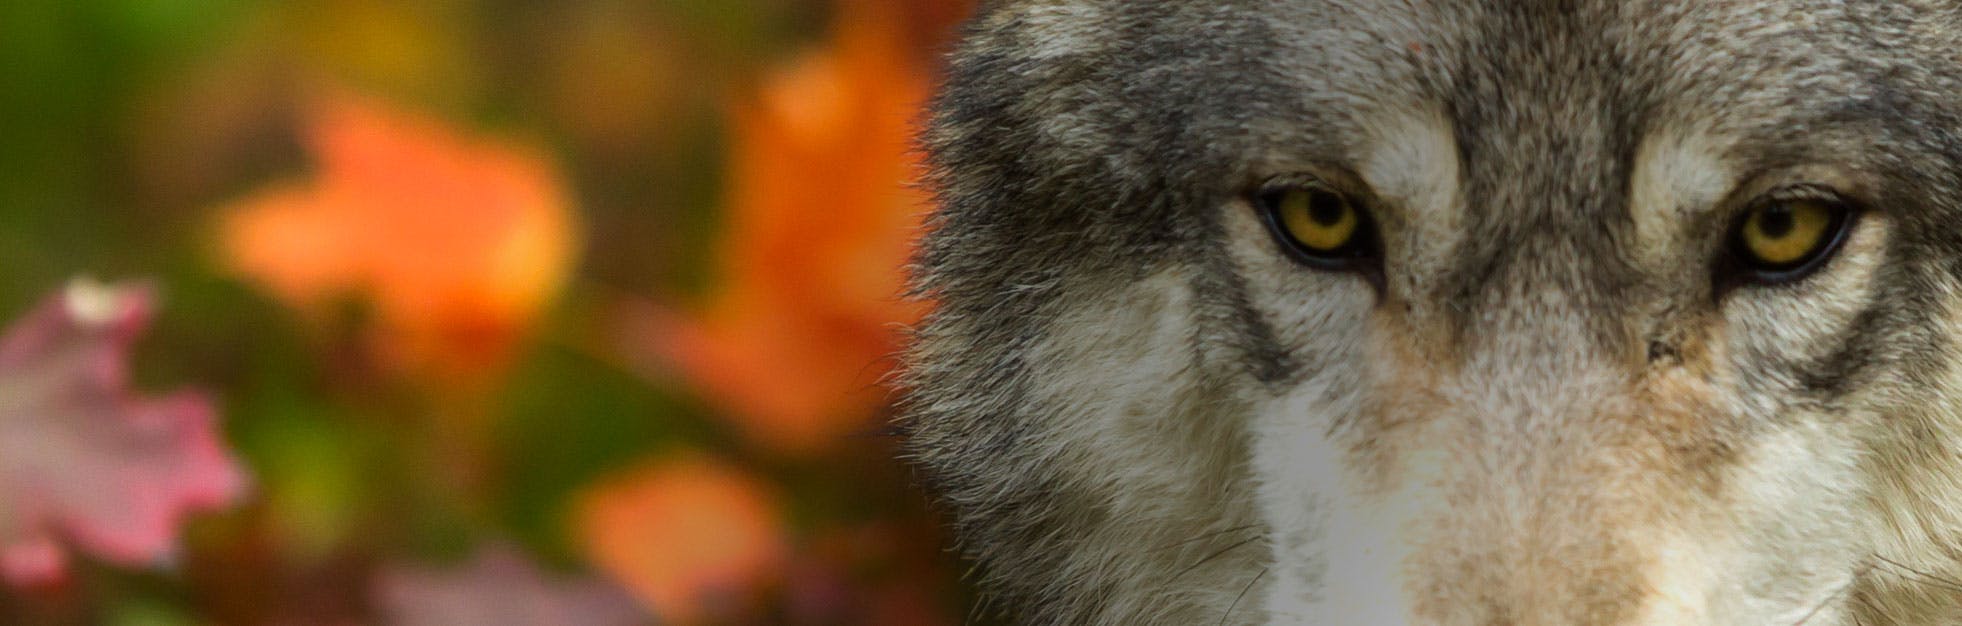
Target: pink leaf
(83, 458)
(501, 588)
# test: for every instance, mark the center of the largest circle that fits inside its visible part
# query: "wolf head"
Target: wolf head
(1450, 313)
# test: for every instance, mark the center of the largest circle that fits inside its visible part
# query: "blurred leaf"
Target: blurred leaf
(455, 242)
(794, 341)
(83, 458)
(500, 588)
(692, 537)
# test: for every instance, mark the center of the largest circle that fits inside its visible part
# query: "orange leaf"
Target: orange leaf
(455, 242)
(686, 536)
(822, 221)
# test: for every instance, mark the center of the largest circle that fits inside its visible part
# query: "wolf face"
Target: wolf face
(1450, 313)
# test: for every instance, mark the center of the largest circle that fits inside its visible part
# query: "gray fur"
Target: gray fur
(1094, 397)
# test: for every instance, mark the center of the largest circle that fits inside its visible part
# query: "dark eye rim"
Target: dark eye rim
(1358, 254)
(1744, 267)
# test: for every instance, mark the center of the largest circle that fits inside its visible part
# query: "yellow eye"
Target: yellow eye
(1317, 220)
(1786, 234)
(1320, 227)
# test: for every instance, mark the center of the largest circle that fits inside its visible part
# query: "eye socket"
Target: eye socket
(1318, 225)
(1789, 235)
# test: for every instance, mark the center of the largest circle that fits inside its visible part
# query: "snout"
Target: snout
(1594, 501)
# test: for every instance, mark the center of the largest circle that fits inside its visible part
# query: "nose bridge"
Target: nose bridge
(1541, 272)
(1537, 446)
(1545, 379)
(1538, 433)
(1539, 395)
(1539, 530)
(1536, 422)
(1552, 321)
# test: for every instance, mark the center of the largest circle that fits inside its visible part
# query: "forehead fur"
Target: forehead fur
(1128, 112)
(1095, 139)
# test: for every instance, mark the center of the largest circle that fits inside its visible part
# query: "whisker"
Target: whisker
(1838, 593)
(1242, 596)
(1210, 557)
(1921, 576)
(1216, 533)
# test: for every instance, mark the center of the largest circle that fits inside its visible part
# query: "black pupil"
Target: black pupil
(1775, 222)
(1326, 209)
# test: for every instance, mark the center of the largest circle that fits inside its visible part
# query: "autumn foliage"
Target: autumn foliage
(798, 336)
(456, 243)
(352, 254)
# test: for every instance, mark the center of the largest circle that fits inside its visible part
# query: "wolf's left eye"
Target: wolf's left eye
(1785, 238)
(1318, 225)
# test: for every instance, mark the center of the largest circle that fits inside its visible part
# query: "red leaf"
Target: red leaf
(83, 458)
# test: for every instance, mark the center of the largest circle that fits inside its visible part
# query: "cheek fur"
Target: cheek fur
(1337, 557)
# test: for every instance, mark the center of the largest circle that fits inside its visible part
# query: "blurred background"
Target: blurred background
(461, 312)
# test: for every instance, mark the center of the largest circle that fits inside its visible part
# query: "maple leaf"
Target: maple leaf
(82, 457)
(457, 243)
(798, 334)
(687, 536)
(501, 587)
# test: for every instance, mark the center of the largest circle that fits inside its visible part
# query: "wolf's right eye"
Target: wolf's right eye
(1788, 235)
(1317, 225)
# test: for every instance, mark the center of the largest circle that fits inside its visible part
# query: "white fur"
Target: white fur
(1147, 434)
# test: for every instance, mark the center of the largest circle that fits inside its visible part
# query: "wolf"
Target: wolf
(1448, 312)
